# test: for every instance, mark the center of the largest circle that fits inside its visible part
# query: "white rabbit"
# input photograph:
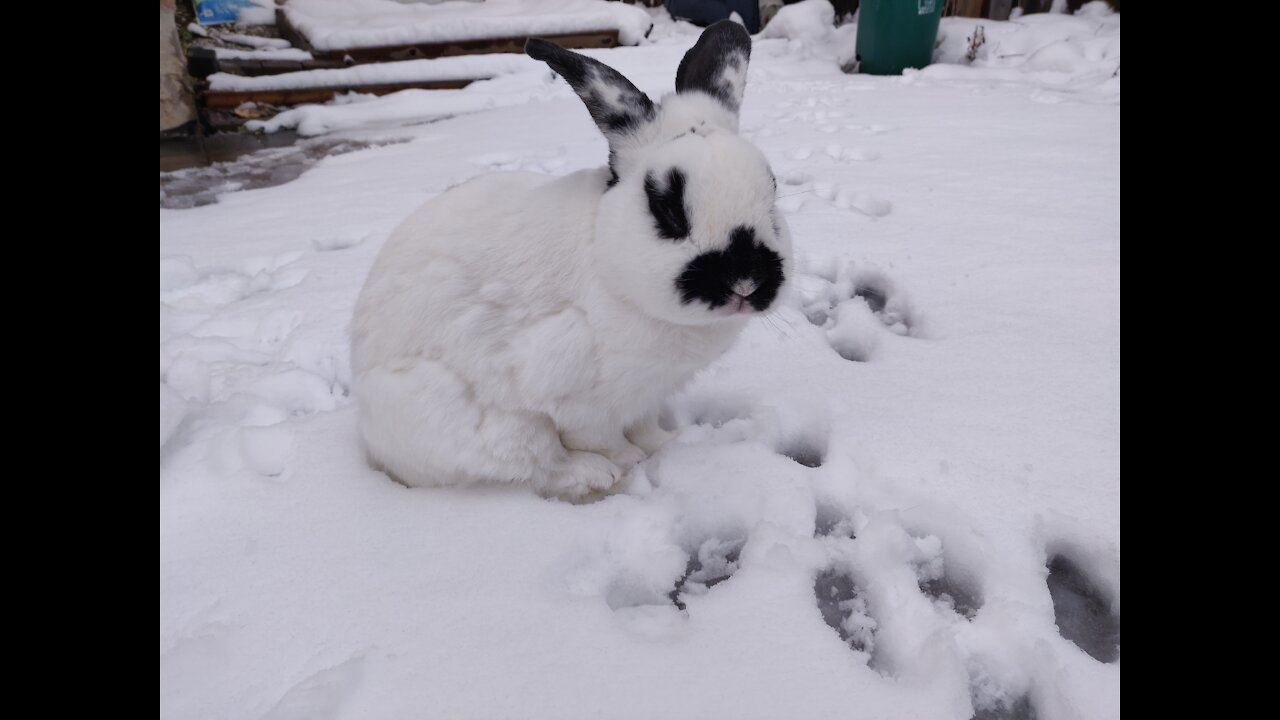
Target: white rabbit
(526, 329)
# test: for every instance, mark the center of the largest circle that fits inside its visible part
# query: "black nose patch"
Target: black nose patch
(666, 204)
(710, 277)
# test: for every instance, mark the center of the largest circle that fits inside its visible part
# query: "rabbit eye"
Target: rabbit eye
(666, 204)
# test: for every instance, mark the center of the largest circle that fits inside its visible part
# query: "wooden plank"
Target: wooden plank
(224, 99)
(290, 33)
(1000, 9)
(420, 51)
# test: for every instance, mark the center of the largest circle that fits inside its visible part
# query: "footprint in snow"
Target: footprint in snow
(854, 304)
(803, 441)
(712, 411)
(809, 451)
(954, 591)
(828, 521)
(714, 561)
(1006, 709)
(843, 606)
(1083, 613)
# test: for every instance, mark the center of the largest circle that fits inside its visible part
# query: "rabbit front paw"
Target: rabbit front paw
(582, 473)
(649, 437)
(627, 456)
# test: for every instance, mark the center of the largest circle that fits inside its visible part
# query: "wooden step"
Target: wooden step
(427, 51)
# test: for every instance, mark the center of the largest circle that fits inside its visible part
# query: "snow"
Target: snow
(896, 498)
(1077, 54)
(408, 106)
(254, 41)
(263, 13)
(808, 20)
(464, 67)
(344, 24)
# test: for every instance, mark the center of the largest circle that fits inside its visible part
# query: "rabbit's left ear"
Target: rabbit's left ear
(717, 64)
(617, 106)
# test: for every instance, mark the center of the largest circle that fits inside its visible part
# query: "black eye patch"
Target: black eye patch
(667, 205)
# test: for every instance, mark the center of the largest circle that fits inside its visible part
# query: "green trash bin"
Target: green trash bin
(896, 34)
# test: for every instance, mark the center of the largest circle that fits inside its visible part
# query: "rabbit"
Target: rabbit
(526, 329)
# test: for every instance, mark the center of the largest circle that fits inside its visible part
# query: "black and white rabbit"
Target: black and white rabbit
(526, 329)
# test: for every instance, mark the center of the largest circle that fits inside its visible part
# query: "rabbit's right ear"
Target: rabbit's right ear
(617, 106)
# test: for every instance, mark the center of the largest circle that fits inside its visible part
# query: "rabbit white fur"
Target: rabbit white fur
(526, 329)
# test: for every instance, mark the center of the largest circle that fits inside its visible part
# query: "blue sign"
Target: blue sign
(213, 12)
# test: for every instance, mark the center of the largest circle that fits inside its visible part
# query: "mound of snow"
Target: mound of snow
(808, 20)
(1053, 51)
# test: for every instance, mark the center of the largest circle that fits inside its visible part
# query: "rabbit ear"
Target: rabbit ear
(617, 106)
(717, 64)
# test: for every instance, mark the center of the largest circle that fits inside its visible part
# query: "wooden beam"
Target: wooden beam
(251, 67)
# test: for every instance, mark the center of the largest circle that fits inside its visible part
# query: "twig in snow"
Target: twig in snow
(975, 41)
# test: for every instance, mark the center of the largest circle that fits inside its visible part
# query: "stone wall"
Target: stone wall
(177, 106)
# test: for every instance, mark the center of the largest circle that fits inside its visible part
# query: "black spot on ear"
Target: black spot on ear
(723, 47)
(711, 276)
(616, 105)
(667, 205)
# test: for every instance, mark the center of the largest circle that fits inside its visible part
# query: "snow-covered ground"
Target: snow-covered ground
(897, 498)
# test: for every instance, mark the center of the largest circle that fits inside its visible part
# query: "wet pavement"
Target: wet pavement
(199, 172)
(181, 153)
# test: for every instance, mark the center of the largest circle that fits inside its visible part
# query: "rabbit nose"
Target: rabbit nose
(744, 288)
